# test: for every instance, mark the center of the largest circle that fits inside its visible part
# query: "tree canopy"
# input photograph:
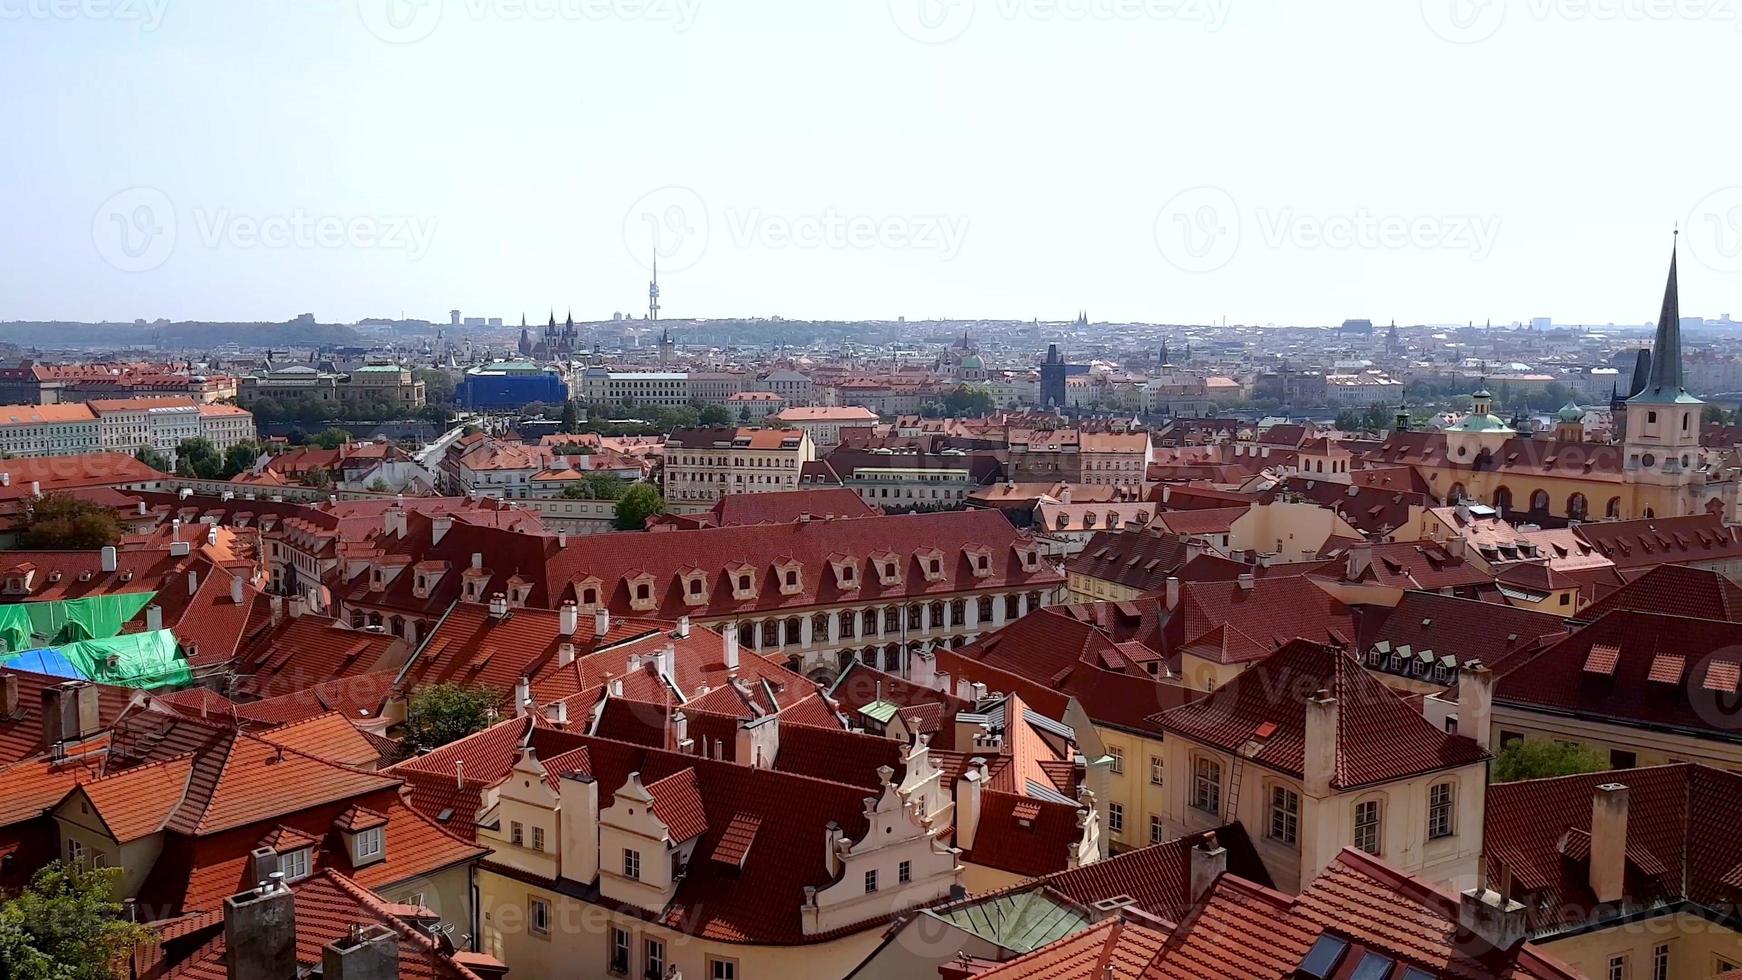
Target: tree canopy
(594, 486)
(636, 505)
(198, 459)
(332, 438)
(1536, 759)
(60, 521)
(443, 713)
(152, 458)
(66, 925)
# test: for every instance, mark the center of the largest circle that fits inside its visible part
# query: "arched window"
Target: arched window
(1455, 494)
(1539, 502)
(1613, 510)
(1649, 513)
(1503, 499)
(1576, 507)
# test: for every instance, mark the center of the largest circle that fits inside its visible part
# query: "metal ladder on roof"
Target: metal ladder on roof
(1231, 804)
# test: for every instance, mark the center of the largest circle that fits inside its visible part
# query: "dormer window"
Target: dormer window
(295, 864)
(368, 846)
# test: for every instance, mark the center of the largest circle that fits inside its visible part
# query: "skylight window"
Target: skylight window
(1322, 960)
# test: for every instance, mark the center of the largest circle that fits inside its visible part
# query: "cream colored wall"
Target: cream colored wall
(1650, 747)
(447, 893)
(1132, 789)
(75, 821)
(1084, 588)
(977, 878)
(1292, 531)
(578, 943)
(1697, 948)
(1207, 675)
(1328, 825)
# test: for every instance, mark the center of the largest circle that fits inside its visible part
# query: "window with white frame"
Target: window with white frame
(904, 872)
(619, 963)
(1207, 785)
(1155, 829)
(516, 833)
(294, 864)
(631, 863)
(1116, 818)
(722, 969)
(1441, 801)
(369, 844)
(653, 958)
(538, 916)
(1367, 826)
(1118, 758)
(1660, 962)
(538, 838)
(1155, 770)
(870, 881)
(1284, 815)
(1618, 967)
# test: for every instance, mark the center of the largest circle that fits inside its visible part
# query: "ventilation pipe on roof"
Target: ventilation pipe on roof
(1492, 917)
(498, 606)
(562, 539)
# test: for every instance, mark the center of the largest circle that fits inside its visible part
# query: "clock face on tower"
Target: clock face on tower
(1648, 461)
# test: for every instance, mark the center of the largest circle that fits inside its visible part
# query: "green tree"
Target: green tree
(152, 458)
(332, 438)
(66, 925)
(438, 386)
(571, 422)
(198, 459)
(1714, 415)
(594, 486)
(967, 402)
(240, 458)
(62, 522)
(379, 485)
(1535, 759)
(318, 478)
(714, 415)
(1349, 420)
(636, 505)
(443, 713)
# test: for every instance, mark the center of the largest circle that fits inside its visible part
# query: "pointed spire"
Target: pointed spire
(1665, 379)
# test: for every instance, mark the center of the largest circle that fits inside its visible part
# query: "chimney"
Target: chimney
(109, 557)
(178, 548)
(193, 581)
(154, 617)
(1609, 806)
(54, 715)
(968, 789)
(1455, 547)
(364, 953)
(6, 480)
(236, 589)
(1476, 702)
(498, 606)
(260, 931)
(562, 538)
(459, 774)
(568, 618)
(1247, 581)
(478, 560)
(522, 696)
(565, 653)
(668, 661)
(578, 828)
(36, 488)
(1065, 494)
(8, 695)
(262, 863)
(1209, 859)
(729, 633)
(1493, 917)
(601, 623)
(557, 713)
(683, 627)
(1360, 556)
(1321, 745)
(296, 607)
(439, 527)
(1173, 592)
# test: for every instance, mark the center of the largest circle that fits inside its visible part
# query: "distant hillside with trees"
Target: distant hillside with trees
(185, 334)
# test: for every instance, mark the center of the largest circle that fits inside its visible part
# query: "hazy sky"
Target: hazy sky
(1161, 160)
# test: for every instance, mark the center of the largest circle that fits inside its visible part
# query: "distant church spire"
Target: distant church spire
(1665, 377)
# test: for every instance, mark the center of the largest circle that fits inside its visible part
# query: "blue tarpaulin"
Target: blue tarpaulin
(49, 662)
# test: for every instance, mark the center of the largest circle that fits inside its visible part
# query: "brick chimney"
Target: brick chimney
(8, 695)
(1320, 750)
(1209, 859)
(1476, 702)
(260, 931)
(1609, 805)
(363, 953)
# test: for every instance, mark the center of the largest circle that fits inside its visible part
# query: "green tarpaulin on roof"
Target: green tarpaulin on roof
(26, 625)
(149, 660)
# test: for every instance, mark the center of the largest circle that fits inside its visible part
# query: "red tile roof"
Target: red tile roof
(1663, 541)
(1273, 611)
(1379, 738)
(1695, 592)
